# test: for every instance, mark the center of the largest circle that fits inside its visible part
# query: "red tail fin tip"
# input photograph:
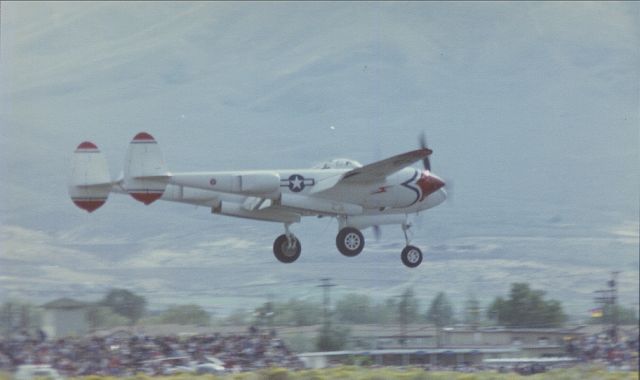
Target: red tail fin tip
(143, 136)
(89, 205)
(87, 146)
(146, 197)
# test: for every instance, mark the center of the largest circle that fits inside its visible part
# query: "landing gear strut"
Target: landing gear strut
(411, 256)
(287, 247)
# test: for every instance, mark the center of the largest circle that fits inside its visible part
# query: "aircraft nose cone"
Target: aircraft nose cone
(436, 181)
(429, 184)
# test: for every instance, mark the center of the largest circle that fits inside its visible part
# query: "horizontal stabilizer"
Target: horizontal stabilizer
(154, 177)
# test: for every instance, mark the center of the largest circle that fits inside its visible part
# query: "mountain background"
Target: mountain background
(532, 109)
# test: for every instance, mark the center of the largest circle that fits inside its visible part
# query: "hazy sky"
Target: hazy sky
(531, 108)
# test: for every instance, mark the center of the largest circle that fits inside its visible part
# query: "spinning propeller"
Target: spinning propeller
(422, 139)
(426, 162)
(427, 165)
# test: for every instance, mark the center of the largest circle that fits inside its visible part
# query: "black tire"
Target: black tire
(283, 252)
(411, 256)
(350, 241)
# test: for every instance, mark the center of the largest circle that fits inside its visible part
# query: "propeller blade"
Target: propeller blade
(423, 144)
(423, 140)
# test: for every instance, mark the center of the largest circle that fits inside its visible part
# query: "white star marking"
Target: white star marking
(296, 183)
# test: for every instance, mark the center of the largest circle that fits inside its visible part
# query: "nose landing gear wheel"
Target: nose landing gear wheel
(287, 252)
(350, 241)
(411, 256)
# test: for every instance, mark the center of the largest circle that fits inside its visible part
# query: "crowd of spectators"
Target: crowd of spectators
(123, 355)
(126, 354)
(603, 348)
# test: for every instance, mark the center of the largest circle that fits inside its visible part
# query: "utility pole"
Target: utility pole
(326, 286)
(404, 318)
(8, 319)
(613, 286)
(270, 312)
(24, 319)
(472, 312)
(608, 298)
(326, 341)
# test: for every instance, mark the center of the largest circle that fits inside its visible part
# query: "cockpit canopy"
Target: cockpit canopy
(339, 163)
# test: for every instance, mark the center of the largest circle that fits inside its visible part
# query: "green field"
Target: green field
(358, 373)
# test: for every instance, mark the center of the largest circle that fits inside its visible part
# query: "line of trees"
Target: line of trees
(121, 306)
(524, 307)
(521, 307)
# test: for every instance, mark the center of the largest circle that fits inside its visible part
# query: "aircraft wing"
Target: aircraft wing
(379, 170)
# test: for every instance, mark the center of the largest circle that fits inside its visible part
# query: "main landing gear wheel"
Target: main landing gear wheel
(350, 241)
(411, 256)
(285, 251)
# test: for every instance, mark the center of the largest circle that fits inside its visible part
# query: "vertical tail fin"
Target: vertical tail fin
(145, 175)
(90, 182)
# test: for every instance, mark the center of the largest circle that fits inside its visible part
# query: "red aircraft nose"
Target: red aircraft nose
(429, 184)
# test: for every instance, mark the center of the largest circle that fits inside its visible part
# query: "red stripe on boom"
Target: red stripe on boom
(143, 136)
(89, 205)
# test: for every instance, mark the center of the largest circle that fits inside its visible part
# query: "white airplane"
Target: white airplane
(381, 193)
